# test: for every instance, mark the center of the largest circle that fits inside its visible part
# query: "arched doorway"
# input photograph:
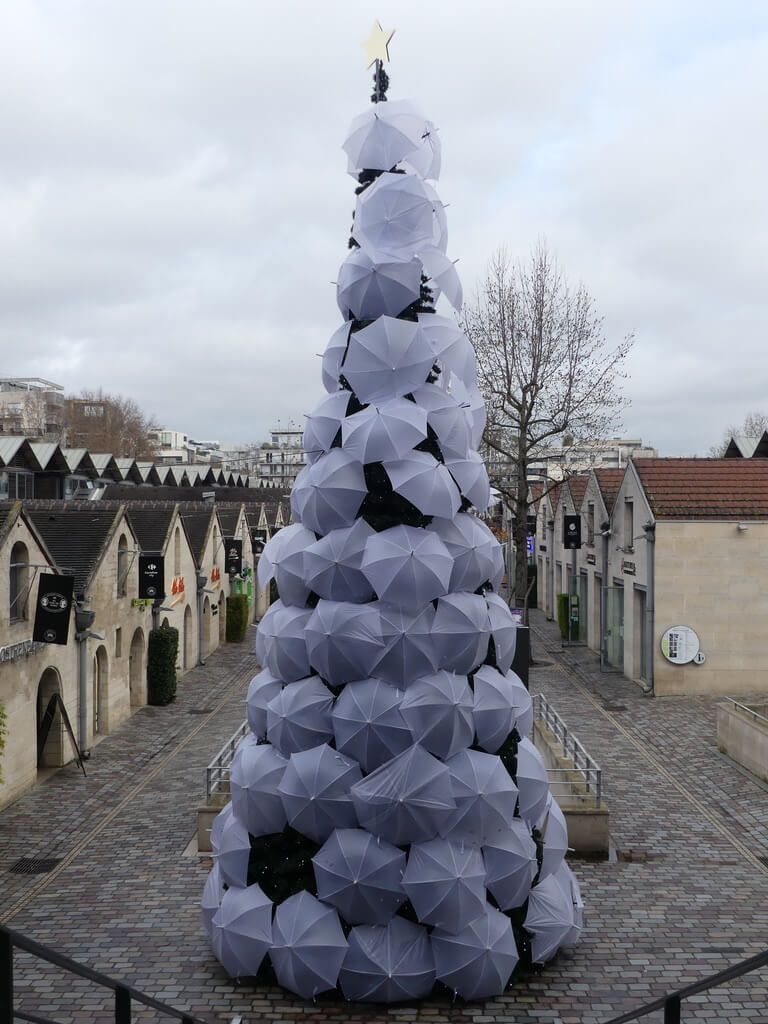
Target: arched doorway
(206, 626)
(51, 754)
(222, 620)
(186, 649)
(100, 691)
(136, 674)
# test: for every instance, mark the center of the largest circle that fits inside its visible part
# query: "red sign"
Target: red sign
(177, 587)
(215, 574)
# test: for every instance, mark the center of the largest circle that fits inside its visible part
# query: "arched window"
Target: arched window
(122, 566)
(177, 552)
(19, 579)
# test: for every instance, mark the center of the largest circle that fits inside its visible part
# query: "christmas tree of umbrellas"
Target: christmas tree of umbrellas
(391, 822)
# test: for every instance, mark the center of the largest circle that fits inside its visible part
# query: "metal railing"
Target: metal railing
(217, 772)
(124, 994)
(671, 1003)
(747, 710)
(583, 763)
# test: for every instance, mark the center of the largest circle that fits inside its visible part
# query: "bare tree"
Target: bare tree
(545, 369)
(109, 423)
(755, 424)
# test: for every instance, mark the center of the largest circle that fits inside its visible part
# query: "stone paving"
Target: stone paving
(685, 895)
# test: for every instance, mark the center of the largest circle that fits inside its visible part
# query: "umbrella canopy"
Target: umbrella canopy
(254, 776)
(211, 899)
(388, 963)
(447, 419)
(555, 833)
(440, 224)
(551, 917)
(368, 725)
(407, 566)
(452, 348)
(532, 782)
(367, 288)
(308, 945)
(397, 216)
(289, 564)
(445, 882)
(478, 960)
(261, 689)
(426, 483)
(328, 494)
(242, 930)
(283, 646)
(485, 798)
(333, 357)
(495, 709)
(231, 846)
(315, 791)
(384, 135)
(510, 865)
(405, 800)
(299, 717)
(343, 640)
(472, 478)
(442, 275)
(523, 704)
(388, 430)
(409, 650)
(360, 876)
(461, 632)
(387, 359)
(323, 424)
(469, 542)
(503, 631)
(438, 711)
(568, 882)
(427, 158)
(471, 400)
(332, 564)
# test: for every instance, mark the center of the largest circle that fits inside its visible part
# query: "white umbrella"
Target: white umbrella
(485, 798)
(281, 635)
(447, 419)
(299, 717)
(409, 649)
(261, 689)
(369, 288)
(289, 564)
(360, 876)
(384, 135)
(461, 632)
(438, 710)
(407, 566)
(550, 917)
(367, 723)
(452, 348)
(472, 478)
(343, 640)
(405, 800)
(254, 776)
(323, 424)
(445, 883)
(390, 963)
(333, 357)
(332, 564)
(315, 791)
(503, 631)
(387, 359)
(440, 223)
(495, 708)
(242, 930)
(388, 430)
(328, 494)
(231, 846)
(426, 483)
(471, 400)
(211, 898)
(510, 865)
(568, 882)
(555, 832)
(470, 547)
(273, 549)
(308, 945)
(442, 274)
(426, 160)
(532, 782)
(397, 216)
(523, 704)
(478, 961)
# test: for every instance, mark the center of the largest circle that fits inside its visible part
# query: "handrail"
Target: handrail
(749, 711)
(671, 1002)
(219, 766)
(10, 939)
(588, 768)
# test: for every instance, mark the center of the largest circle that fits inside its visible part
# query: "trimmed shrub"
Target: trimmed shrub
(562, 615)
(162, 649)
(237, 618)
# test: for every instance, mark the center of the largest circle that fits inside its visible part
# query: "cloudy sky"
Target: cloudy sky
(174, 204)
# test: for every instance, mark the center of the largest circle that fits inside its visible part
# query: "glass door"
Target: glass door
(614, 627)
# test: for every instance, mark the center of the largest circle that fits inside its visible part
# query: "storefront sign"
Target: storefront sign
(215, 574)
(151, 576)
(13, 651)
(571, 532)
(590, 559)
(258, 539)
(177, 585)
(628, 568)
(680, 644)
(234, 556)
(54, 602)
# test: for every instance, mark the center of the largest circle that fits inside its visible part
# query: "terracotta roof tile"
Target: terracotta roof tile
(577, 485)
(609, 482)
(705, 488)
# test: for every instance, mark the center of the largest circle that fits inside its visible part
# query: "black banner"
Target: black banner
(233, 556)
(571, 532)
(54, 602)
(258, 539)
(151, 576)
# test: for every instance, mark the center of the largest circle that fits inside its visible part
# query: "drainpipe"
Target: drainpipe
(649, 529)
(605, 533)
(83, 621)
(202, 579)
(551, 544)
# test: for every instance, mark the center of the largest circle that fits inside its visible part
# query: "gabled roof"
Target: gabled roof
(10, 513)
(129, 470)
(197, 522)
(106, 466)
(228, 517)
(705, 488)
(79, 461)
(577, 485)
(18, 452)
(148, 473)
(743, 447)
(609, 482)
(151, 524)
(50, 457)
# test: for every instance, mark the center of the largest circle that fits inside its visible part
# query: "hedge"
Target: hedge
(162, 650)
(562, 614)
(237, 618)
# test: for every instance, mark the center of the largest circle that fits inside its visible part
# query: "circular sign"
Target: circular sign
(151, 591)
(50, 636)
(679, 644)
(699, 658)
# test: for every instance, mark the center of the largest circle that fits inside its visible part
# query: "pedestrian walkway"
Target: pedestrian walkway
(685, 894)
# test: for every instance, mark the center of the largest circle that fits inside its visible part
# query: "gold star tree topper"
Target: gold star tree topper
(376, 46)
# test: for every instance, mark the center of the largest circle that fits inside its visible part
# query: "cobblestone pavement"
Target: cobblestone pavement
(685, 895)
